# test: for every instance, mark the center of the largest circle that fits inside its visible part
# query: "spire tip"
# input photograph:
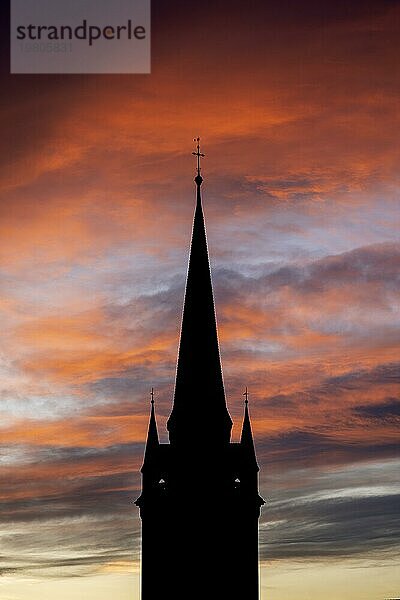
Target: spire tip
(198, 179)
(246, 395)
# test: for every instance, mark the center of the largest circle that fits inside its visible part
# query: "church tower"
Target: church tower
(199, 503)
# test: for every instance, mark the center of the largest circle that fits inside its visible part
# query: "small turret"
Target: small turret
(153, 442)
(246, 439)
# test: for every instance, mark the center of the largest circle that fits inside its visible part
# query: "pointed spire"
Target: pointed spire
(199, 410)
(246, 439)
(152, 435)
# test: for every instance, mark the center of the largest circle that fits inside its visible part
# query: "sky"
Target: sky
(297, 107)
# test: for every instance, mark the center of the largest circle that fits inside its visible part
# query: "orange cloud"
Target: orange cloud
(89, 431)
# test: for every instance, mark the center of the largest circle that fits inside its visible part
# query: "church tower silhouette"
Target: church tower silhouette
(199, 503)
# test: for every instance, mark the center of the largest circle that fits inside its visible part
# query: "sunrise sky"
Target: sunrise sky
(297, 106)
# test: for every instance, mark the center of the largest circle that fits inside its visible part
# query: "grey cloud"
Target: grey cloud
(332, 528)
(376, 263)
(307, 448)
(387, 410)
(325, 512)
(384, 373)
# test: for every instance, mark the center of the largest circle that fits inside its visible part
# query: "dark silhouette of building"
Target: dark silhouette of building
(199, 503)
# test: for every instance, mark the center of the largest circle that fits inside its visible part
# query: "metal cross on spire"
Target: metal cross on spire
(246, 395)
(152, 395)
(198, 154)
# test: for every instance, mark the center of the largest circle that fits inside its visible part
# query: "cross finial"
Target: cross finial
(199, 155)
(246, 395)
(152, 395)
